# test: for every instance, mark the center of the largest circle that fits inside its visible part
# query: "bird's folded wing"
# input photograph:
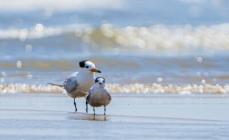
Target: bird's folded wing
(108, 94)
(70, 84)
(109, 97)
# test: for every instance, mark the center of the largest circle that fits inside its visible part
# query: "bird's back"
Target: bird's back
(70, 84)
(77, 85)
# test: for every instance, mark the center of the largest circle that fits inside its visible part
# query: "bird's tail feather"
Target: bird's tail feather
(54, 84)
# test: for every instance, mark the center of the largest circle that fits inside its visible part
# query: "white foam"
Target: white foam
(161, 37)
(155, 38)
(136, 88)
(19, 64)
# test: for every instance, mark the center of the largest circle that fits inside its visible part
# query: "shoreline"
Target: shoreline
(52, 116)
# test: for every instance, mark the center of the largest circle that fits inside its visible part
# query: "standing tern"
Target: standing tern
(98, 95)
(79, 83)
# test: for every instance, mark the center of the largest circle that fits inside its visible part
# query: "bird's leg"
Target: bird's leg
(86, 107)
(94, 112)
(104, 112)
(75, 104)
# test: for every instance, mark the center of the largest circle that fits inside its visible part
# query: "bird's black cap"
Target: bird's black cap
(97, 79)
(82, 63)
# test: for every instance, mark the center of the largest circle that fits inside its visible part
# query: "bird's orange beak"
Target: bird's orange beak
(95, 70)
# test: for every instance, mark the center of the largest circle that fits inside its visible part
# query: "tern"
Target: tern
(98, 95)
(78, 84)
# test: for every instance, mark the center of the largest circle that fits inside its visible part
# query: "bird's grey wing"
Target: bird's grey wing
(108, 94)
(109, 97)
(70, 84)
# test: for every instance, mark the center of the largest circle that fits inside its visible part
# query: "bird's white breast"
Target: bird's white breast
(98, 97)
(85, 81)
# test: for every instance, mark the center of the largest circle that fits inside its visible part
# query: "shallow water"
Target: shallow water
(124, 73)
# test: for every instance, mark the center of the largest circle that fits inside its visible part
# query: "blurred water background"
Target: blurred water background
(166, 46)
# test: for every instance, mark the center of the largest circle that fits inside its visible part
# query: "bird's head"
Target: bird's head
(89, 66)
(100, 81)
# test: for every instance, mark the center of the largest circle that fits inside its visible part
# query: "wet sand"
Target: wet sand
(130, 116)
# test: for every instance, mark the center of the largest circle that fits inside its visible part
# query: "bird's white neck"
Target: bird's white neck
(99, 86)
(86, 73)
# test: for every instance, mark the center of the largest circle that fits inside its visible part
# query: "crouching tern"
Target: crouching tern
(78, 84)
(98, 95)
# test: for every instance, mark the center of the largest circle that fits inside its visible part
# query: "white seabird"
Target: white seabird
(98, 95)
(79, 83)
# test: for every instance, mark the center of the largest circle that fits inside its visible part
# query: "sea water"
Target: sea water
(144, 46)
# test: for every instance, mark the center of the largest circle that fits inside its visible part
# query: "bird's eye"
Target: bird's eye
(87, 67)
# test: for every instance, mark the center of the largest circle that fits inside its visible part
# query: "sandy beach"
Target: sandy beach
(51, 116)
